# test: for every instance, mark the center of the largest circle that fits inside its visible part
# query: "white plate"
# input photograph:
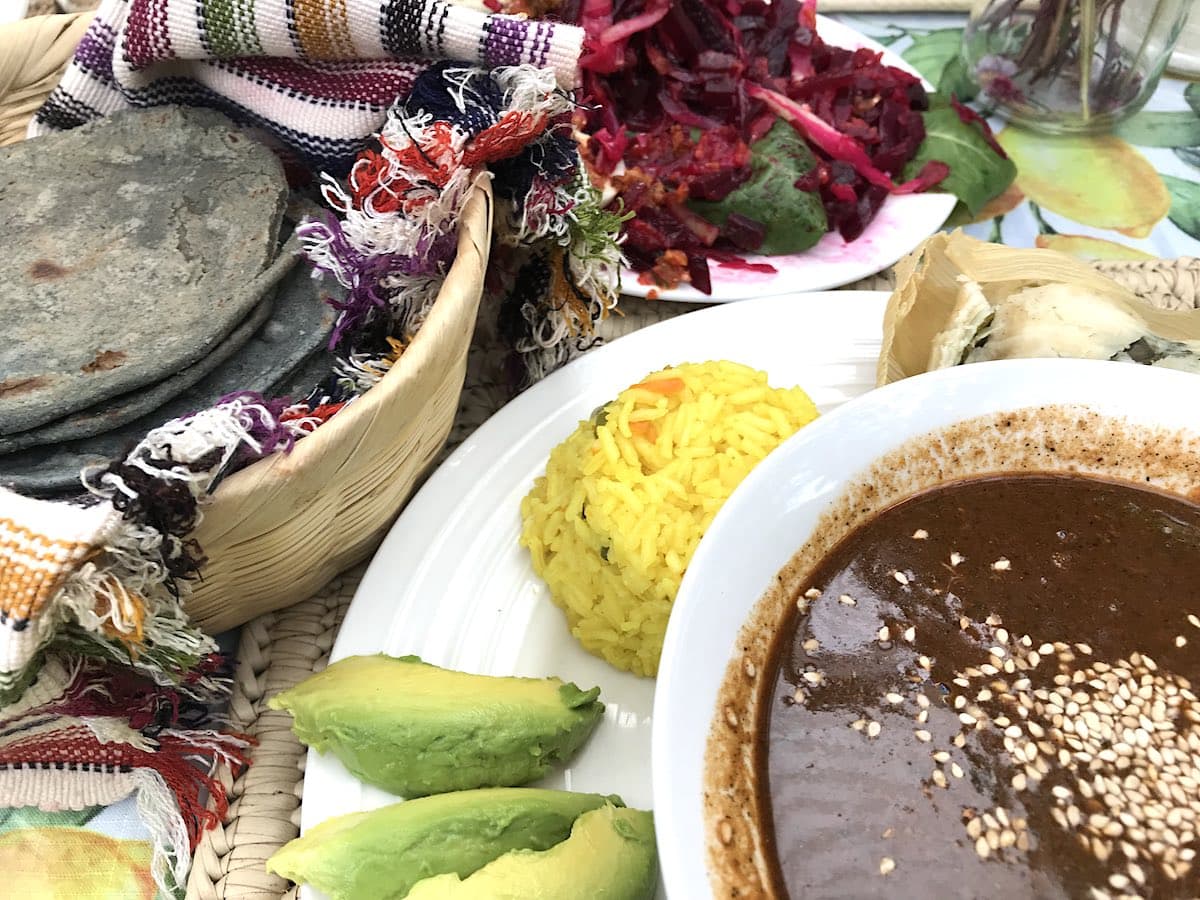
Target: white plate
(781, 501)
(899, 226)
(451, 584)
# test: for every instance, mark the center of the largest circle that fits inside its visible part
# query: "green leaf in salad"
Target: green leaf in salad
(794, 219)
(1185, 204)
(977, 172)
(956, 81)
(1154, 128)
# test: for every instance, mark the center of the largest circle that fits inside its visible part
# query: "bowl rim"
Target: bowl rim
(1140, 394)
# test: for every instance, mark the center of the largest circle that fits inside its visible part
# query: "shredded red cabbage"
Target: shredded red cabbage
(676, 91)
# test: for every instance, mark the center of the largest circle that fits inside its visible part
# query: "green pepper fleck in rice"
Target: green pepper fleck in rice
(613, 523)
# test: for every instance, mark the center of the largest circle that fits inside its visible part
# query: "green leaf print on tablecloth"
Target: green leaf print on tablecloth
(1185, 204)
(32, 817)
(937, 56)
(1162, 129)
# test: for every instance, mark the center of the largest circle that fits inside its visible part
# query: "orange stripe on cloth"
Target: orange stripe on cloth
(339, 29)
(312, 28)
(32, 569)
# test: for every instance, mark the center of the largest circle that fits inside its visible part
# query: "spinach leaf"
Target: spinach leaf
(794, 219)
(977, 172)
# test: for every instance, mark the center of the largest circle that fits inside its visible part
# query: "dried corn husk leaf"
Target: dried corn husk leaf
(960, 300)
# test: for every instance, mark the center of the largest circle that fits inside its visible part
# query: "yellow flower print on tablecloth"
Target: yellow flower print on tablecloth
(1097, 180)
(53, 863)
(1085, 247)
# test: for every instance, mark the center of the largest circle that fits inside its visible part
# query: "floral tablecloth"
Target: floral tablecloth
(1131, 195)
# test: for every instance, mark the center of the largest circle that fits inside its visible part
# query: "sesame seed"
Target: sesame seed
(893, 698)
(812, 594)
(920, 534)
(956, 558)
(1194, 619)
(731, 717)
(1001, 565)
(939, 778)
(1180, 641)
(982, 848)
(800, 696)
(925, 662)
(922, 701)
(956, 770)
(814, 678)
(963, 623)
(812, 645)
(1019, 781)
(858, 724)
(751, 669)
(886, 865)
(967, 718)
(847, 600)
(873, 729)
(910, 634)
(900, 577)
(725, 832)
(923, 735)
(941, 756)
(884, 634)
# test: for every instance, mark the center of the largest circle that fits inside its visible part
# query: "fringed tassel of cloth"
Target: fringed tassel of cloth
(88, 734)
(391, 238)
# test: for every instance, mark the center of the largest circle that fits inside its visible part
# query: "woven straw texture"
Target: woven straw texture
(282, 527)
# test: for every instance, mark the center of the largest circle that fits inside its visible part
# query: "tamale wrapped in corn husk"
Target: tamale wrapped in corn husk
(960, 300)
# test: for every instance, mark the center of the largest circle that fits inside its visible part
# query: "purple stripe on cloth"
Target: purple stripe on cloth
(376, 84)
(95, 51)
(504, 40)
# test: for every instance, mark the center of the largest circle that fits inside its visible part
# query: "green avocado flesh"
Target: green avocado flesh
(380, 855)
(794, 219)
(415, 729)
(610, 855)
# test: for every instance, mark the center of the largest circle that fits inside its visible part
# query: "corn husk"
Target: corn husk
(953, 286)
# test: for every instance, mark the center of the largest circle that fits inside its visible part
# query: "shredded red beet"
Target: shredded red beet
(676, 91)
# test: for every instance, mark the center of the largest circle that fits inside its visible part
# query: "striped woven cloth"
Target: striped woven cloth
(317, 75)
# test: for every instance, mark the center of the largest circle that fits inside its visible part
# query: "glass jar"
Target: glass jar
(1070, 66)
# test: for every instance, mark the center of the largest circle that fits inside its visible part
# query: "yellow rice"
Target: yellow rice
(614, 522)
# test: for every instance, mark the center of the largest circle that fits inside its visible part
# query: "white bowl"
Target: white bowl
(775, 510)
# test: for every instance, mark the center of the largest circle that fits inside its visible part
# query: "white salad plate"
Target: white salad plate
(903, 221)
(780, 503)
(451, 584)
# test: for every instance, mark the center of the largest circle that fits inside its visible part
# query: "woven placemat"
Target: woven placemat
(282, 648)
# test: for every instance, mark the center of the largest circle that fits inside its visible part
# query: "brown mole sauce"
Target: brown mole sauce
(1093, 561)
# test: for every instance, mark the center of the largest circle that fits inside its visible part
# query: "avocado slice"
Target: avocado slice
(381, 854)
(415, 729)
(610, 855)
